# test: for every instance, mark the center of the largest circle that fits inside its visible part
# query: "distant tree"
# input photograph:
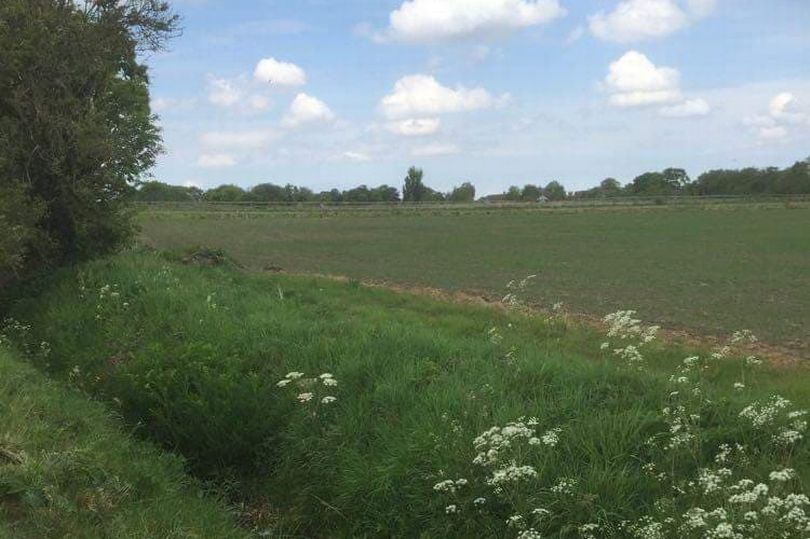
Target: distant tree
(414, 188)
(225, 193)
(154, 191)
(651, 184)
(384, 193)
(267, 192)
(610, 187)
(677, 178)
(554, 191)
(463, 193)
(513, 194)
(531, 193)
(431, 195)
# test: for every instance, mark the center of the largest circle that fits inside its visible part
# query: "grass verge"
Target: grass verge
(234, 371)
(67, 470)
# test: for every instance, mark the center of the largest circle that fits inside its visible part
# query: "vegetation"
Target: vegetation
(709, 271)
(67, 470)
(234, 370)
(75, 126)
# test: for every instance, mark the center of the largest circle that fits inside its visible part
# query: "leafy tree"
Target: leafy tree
(414, 189)
(554, 191)
(384, 193)
(513, 194)
(267, 192)
(463, 193)
(677, 178)
(610, 187)
(531, 193)
(225, 193)
(154, 191)
(76, 132)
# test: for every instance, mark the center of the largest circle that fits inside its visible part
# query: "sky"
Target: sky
(328, 93)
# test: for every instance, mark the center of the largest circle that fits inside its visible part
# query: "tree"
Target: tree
(267, 192)
(554, 191)
(531, 193)
(154, 191)
(414, 189)
(610, 187)
(677, 178)
(463, 193)
(76, 132)
(225, 193)
(513, 194)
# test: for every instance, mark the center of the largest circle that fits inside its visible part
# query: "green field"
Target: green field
(192, 358)
(710, 271)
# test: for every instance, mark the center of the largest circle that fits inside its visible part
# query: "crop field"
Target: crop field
(707, 270)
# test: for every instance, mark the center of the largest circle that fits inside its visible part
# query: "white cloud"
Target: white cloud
(689, 107)
(575, 35)
(306, 109)
(357, 157)
(437, 20)
(238, 140)
(422, 95)
(783, 113)
(701, 8)
(634, 80)
(216, 160)
(433, 150)
(776, 132)
(415, 127)
(223, 92)
(278, 73)
(259, 102)
(637, 20)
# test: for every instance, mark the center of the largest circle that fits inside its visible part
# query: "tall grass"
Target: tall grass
(192, 357)
(67, 470)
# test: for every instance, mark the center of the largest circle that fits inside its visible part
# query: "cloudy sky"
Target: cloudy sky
(328, 93)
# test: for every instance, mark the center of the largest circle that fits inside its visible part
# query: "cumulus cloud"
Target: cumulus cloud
(306, 109)
(637, 20)
(423, 95)
(272, 71)
(215, 160)
(236, 93)
(689, 107)
(433, 150)
(415, 127)
(784, 114)
(633, 80)
(437, 20)
(223, 92)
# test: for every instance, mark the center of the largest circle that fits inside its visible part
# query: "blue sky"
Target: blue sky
(327, 93)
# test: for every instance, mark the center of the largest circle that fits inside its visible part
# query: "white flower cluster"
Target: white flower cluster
(631, 333)
(449, 485)
(565, 486)
(786, 425)
(311, 389)
(491, 443)
(513, 298)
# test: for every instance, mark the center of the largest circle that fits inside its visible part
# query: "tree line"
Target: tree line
(668, 182)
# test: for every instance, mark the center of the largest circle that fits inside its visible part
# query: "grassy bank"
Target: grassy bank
(709, 271)
(334, 410)
(67, 470)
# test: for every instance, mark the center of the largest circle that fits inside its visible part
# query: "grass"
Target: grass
(708, 271)
(191, 357)
(68, 470)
